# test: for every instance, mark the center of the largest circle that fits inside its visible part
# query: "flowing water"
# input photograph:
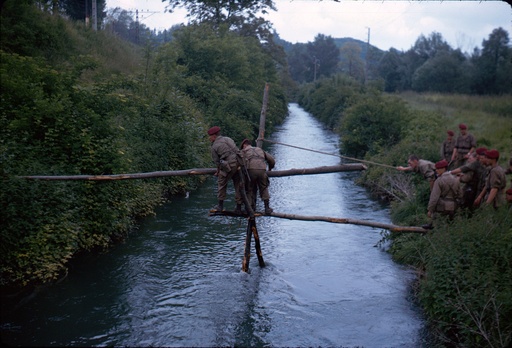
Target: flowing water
(177, 281)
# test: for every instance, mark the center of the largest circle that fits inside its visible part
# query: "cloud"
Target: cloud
(398, 24)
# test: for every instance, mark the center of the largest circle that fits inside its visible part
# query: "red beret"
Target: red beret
(450, 133)
(492, 154)
(481, 151)
(213, 130)
(441, 164)
(462, 126)
(509, 191)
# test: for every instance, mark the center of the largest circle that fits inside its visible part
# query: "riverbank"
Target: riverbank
(463, 267)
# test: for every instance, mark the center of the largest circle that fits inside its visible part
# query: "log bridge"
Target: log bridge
(250, 215)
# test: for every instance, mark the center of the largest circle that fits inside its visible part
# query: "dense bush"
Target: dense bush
(117, 109)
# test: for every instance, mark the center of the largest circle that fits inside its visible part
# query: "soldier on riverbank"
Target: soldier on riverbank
(494, 191)
(424, 167)
(224, 154)
(465, 144)
(256, 161)
(447, 146)
(445, 193)
(472, 175)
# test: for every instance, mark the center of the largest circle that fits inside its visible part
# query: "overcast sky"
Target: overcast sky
(463, 24)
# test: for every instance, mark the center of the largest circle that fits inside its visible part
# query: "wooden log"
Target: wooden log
(247, 249)
(159, 174)
(196, 171)
(389, 227)
(318, 170)
(263, 116)
(252, 222)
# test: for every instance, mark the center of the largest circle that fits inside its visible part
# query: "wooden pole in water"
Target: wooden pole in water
(263, 116)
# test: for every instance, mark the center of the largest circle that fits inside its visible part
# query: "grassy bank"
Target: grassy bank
(464, 267)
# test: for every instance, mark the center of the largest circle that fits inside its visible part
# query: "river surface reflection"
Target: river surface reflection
(177, 281)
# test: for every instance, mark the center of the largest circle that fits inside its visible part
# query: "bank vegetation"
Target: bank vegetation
(463, 267)
(75, 101)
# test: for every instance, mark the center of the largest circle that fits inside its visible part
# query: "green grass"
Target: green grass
(489, 118)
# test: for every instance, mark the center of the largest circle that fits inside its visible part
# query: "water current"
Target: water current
(177, 280)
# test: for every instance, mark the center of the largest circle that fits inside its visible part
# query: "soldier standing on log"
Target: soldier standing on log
(256, 161)
(225, 156)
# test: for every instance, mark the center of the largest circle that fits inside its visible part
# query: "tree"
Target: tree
(322, 57)
(80, 9)
(493, 64)
(446, 73)
(237, 14)
(352, 64)
(392, 69)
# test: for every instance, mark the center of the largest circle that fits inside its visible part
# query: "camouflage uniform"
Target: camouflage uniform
(256, 160)
(224, 154)
(445, 194)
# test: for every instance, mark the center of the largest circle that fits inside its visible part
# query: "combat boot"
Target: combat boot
(219, 206)
(268, 210)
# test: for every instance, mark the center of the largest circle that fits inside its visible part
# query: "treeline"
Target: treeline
(430, 65)
(464, 267)
(76, 101)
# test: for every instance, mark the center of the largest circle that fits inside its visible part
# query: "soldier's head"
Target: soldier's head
(492, 156)
(441, 167)
(413, 161)
(508, 194)
(245, 143)
(213, 133)
(480, 153)
(463, 129)
(450, 134)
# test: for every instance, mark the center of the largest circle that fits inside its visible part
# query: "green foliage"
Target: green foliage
(105, 113)
(373, 124)
(328, 98)
(468, 282)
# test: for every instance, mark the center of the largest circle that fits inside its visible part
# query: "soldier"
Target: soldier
(256, 161)
(424, 167)
(464, 146)
(472, 175)
(447, 146)
(224, 154)
(494, 191)
(445, 193)
(509, 196)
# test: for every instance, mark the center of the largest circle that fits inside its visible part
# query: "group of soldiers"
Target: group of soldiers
(465, 177)
(245, 166)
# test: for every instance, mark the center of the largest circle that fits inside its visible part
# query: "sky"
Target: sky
(385, 24)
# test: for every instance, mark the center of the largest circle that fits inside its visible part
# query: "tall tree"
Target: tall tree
(392, 69)
(237, 14)
(352, 64)
(493, 64)
(322, 56)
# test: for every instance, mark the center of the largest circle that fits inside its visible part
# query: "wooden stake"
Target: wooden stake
(263, 115)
